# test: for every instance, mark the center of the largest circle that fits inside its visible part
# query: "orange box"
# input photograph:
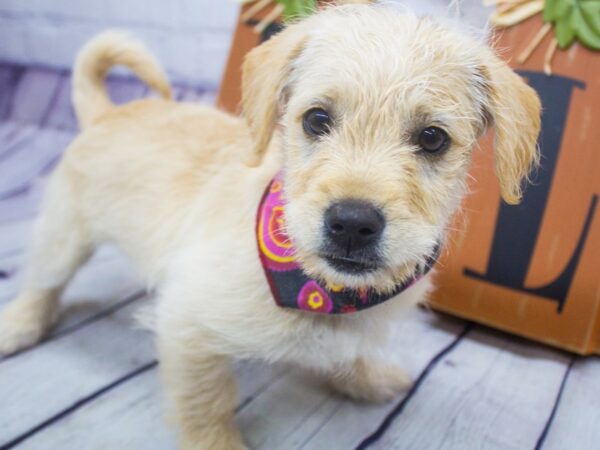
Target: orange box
(244, 40)
(534, 269)
(531, 269)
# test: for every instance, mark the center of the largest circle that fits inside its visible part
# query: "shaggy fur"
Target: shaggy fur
(177, 186)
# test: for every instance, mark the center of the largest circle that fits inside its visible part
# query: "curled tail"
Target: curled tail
(96, 58)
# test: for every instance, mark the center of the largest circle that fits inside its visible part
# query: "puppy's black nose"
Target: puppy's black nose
(353, 224)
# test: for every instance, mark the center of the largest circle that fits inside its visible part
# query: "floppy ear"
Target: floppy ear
(514, 109)
(264, 74)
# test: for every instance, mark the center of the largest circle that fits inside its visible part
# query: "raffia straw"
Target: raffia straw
(504, 8)
(269, 19)
(502, 2)
(506, 5)
(535, 42)
(518, 14)
(255, 9)
(550, 51)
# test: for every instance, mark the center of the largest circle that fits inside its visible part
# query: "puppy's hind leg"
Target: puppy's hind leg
(370, 380)
(60, 245)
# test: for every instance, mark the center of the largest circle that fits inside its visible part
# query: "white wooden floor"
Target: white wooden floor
(94, 384)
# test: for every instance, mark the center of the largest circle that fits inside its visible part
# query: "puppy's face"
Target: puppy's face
(378, 113)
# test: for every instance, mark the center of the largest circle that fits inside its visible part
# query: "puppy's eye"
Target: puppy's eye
(433, 140)
(316, 122)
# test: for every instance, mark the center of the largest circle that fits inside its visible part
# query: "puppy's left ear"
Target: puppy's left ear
(514, 110)
(264, 75)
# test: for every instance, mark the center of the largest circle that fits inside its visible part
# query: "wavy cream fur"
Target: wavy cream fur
(170, 184)
(97, 58)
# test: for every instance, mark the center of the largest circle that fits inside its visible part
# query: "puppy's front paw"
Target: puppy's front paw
(372, 381)
(216, 437)
(22, 324)
(194, 445)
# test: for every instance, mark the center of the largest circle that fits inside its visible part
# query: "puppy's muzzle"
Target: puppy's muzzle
(353, 229)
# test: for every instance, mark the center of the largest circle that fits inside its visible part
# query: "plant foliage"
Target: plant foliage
(574, 20)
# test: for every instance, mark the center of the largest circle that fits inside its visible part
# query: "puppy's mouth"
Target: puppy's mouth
(350, 265)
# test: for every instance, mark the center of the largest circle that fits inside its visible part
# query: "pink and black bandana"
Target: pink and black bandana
(290, 286)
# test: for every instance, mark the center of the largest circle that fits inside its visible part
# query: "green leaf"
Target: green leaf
(574, 20)
(555, 9)
(549, 6)
(591, 14)
(296, 9)
(585, 33)
(565, 32)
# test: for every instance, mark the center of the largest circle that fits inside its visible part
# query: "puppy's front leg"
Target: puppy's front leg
(370, 380)
(202, 390)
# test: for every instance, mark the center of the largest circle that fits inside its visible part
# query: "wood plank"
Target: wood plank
(12, 136)
(31, 159)
(492, 392)
(298, 411)
(575, 424)
(196, 95)
(62, 115)
(9, 78)
(23, 205)
(63, 371)
(132, 415)
(125, 89)
(27, 157)
(108, 274)
(107, 282)
(136, 421)
(7, 130)
(34, 95)
(14, 239)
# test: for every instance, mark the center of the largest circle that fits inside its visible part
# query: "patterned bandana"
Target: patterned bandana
(290, 286)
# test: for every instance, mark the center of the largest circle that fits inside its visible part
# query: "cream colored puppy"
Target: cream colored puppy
(373, 115)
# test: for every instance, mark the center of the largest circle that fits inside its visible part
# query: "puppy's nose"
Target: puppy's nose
(353, 224)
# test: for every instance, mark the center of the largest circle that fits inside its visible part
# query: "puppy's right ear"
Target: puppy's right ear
(264, 75)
